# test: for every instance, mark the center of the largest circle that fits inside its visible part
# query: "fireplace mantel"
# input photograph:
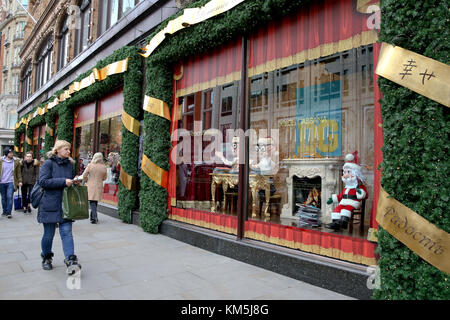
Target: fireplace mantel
(328, 169)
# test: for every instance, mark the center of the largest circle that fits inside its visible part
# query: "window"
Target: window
(26, 83)
(113, 10)
(82, 34)
(44, 63)
(16, 61)
(63, 45)
(98, 129)
(20, 29)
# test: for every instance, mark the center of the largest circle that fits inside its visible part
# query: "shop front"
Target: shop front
(97, 128)
(306, 82)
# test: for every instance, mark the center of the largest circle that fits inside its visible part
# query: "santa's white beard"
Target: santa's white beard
(350, 183)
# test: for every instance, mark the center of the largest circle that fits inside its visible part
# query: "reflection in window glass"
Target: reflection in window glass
(83, 146)
(207, 175)
(308, 117)
(110, 139)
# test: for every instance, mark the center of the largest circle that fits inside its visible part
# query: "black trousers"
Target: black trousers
(26, 194)
(93, 205)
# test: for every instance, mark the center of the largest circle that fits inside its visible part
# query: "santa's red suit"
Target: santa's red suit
(348, 200)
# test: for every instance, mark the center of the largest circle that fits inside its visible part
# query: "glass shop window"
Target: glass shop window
(207, 149)
(304, 120)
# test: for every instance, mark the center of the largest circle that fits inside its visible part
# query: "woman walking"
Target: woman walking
(94, 175)
(56, 173)
(30, 173)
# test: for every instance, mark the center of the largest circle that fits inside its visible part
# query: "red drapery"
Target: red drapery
(328, 244)
(219, 66)
(320, 29)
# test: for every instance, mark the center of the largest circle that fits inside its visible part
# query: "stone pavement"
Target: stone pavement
(121, 261)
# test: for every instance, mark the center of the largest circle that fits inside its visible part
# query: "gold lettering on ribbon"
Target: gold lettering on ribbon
(423, 238)
(418, 73)
(155, 173)
(127, 180)
(130, 123)
(156, 106)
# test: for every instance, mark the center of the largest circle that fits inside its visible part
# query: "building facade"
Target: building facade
(299, 91)
(12, 27)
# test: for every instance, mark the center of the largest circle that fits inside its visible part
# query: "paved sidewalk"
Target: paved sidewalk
(121, 261)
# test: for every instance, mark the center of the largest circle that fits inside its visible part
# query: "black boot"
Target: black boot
(335, 225)
(47, 261)
(344, 222)
(72, 265)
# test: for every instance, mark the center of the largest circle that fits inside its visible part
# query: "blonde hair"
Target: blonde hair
(60, 144)
(97, 158)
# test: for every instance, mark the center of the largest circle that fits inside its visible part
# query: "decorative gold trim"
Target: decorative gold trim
(130, 123)
(127, 180)
(418, 73)
(422, 237)
(155, 173)
(157, 107)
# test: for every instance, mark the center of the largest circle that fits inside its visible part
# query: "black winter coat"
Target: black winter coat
(52, 177)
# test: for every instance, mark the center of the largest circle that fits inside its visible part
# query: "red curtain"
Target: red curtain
(218, 66)
(321, 28)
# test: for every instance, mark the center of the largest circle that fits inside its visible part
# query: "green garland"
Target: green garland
(415, 163)
(132, 92)
(194, 40)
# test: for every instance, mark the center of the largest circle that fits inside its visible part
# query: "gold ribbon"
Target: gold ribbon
(423, 238)
(156, 106)
(28, 140)
(418, 73)
(127, 180)
(189, 17)
(130, 123)
(155, 173)
(96, 75)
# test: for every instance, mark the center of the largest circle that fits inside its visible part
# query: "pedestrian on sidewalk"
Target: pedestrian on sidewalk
(10, 180)
(30, 173)
(94, 175)
(56, 173)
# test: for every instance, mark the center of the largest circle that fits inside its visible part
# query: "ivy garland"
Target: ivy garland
(132, 93)
(416, 146)
(197, 39)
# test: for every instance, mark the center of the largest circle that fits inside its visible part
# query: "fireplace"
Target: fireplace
(307, 191)
(323, 174)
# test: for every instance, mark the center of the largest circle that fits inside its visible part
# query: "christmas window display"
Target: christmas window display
(208, 105)
(304, 119)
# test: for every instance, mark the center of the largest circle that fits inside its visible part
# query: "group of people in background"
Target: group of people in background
(56, 173)
(14, 174)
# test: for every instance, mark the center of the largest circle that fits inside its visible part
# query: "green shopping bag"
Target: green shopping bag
(75, 203)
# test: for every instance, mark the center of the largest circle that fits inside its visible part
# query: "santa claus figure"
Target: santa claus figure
(351, 197)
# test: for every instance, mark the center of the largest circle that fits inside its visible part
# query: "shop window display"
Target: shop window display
(305, 118)
(207, 149)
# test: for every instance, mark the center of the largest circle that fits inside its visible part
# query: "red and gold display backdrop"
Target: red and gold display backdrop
(220, 66)
(320, 29)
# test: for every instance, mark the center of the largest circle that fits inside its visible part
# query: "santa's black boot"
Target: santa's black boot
(344, 222)
(47, 261)
(335, 225)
